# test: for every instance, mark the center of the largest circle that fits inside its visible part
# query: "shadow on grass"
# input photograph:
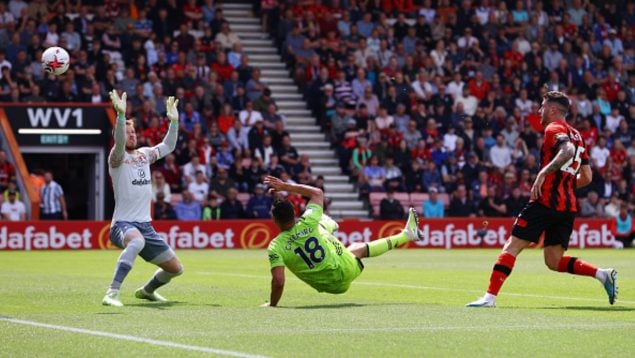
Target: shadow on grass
(333, 306)
(164, 305)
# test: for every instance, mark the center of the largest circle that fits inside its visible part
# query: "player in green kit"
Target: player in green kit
(308, 247)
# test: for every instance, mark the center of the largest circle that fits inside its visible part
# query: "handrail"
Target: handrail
(21, 169)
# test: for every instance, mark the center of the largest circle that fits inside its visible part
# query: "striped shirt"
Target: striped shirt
(50, 195)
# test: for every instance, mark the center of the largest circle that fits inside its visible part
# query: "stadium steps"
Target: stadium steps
(305, 134)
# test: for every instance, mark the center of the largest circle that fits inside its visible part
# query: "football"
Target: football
(55, 60)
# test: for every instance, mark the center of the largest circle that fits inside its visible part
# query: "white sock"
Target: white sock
(601, 275)
(489, 297)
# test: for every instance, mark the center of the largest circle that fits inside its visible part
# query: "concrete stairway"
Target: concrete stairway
(305, 135)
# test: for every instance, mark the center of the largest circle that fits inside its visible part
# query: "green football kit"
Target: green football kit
(311, 251)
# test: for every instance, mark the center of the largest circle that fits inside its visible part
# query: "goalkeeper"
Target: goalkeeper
(130, 229)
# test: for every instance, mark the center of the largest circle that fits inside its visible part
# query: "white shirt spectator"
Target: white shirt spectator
(16, 7)
(613, 122)
(466, 42)
(600, 155)
(52, 39)
(585, 108)
(524, 106)
(423, 89)
(455, 88)
(501, 156)
(199, 190)
(248, 118)
(13, 211)
(469, 104)
(449, 141)
(189, 171)
(264, 154)
(384, 122)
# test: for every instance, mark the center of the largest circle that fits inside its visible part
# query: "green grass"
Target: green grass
(406, 303)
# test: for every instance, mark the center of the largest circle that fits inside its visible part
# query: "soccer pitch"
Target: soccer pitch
(406, 303)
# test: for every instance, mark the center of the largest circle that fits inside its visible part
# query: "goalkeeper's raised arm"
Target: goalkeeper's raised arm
(169, 141)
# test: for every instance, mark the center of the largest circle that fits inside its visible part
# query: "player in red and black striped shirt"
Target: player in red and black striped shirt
(553, 205)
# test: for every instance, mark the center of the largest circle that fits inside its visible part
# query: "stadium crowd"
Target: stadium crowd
(415, 96)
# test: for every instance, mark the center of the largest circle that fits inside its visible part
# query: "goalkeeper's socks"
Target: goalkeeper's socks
(502, 269)
(578, 267)
(160, 278)
(126, 261)
(381, 246)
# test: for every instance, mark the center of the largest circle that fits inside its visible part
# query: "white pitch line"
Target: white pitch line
(126, 337)
(417, 287)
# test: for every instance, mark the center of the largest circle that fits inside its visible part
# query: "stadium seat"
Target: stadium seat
(416, 200)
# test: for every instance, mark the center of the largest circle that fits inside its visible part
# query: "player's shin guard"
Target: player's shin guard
(160, 278)
(576, 267)
(502, 269)
(125, 262)
(381, 246)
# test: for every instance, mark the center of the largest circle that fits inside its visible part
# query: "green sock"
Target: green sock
(381, 246)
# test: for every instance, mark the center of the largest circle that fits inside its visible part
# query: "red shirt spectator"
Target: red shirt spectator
(222, 67)
(226, 119)
(406, 6)
(478, 86)
(611, 87)
(7, 171)
(589, 134)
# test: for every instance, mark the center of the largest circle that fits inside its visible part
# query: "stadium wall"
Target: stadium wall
(254, 234)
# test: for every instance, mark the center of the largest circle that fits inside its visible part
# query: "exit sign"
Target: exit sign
(53, 139)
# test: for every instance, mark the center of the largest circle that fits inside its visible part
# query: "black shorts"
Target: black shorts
(536, 218)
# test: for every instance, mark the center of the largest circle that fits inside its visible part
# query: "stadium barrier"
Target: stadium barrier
(256, 234)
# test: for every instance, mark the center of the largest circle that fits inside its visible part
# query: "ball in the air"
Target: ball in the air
(55, 60)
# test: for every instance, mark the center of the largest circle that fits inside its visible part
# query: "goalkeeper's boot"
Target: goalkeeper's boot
(112, 299)
(610, 284)
(154, 296)
(485, 301)
(412, 226)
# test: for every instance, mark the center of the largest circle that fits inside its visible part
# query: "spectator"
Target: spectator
(433, 207)
(259, 205)
(13, 209)
(501, 154)
(53, 203)
(492, 205)
(221, 183)
(373, 176)
(461, 205)
(431, 178)
(249, 116)
(7, 171)
(192, 167)
(393, 175)
(600, 153)
(172, 173)
(199, 188)
(163, 210)
(226, 38)
(624, 227)
(188, 209)
(231, 207)
(211, 211)
(159, 185)
(390, 208)
(238, 138)
(592, 207)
